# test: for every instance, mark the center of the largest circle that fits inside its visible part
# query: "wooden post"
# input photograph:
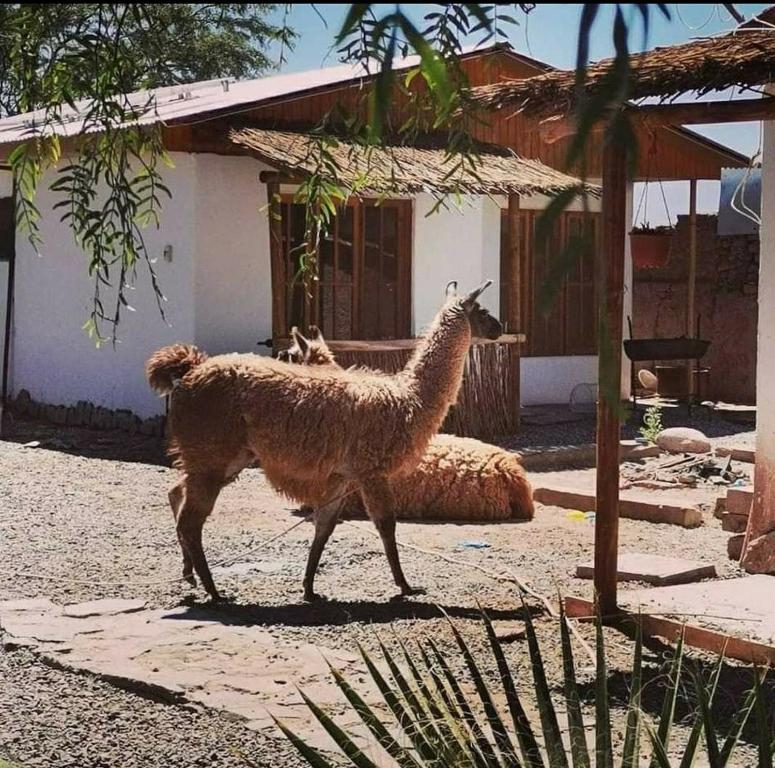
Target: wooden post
(513, 314)
(691, 280)
(277, 265)
(610, 307)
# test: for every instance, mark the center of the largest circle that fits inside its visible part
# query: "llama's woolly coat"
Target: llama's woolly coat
(458, 478)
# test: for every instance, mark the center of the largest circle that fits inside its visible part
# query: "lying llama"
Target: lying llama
(458, 478)
(358, 428)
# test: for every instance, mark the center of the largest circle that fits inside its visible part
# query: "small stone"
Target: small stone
(683, 440)
(760, 555)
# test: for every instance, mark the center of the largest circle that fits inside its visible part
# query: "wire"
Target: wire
(713, 12)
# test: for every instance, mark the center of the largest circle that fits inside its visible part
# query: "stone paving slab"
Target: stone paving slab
(654, 569)
(191, 656)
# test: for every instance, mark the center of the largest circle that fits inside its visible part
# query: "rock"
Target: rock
(683, 440)
(734, 523)
(22, 402)
(760, 555)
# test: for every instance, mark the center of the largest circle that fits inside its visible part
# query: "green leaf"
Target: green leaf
(660, 759)
(631, 750)
(400, 712)
(499, 731)
(311, 755)
(576, 730)
(711, 742)
(763, 729)
(604, 757)
(738, 723)
(482, 744)
(531, 753)
(671, 695)
(341, 739)
(555, 749)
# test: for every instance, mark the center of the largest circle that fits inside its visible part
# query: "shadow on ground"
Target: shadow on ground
(333, 613)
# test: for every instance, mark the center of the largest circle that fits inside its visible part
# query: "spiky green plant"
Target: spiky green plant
(438, 725)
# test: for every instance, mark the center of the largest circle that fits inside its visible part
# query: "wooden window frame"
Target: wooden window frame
(404, 256)
(538, 330)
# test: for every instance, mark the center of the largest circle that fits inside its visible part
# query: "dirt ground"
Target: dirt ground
(84, 515)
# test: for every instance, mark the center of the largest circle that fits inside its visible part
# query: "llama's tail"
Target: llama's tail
(168, 364)
(520, 492)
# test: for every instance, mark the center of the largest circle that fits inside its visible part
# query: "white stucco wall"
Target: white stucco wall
(232, 280)
(52, 356)
(454, 243)
(217, 286)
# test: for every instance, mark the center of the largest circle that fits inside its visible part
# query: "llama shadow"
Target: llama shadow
(335, 613)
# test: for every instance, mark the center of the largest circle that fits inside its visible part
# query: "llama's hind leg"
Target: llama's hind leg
(380, 504)
(326, 517)
(176, 499)
(199, 495)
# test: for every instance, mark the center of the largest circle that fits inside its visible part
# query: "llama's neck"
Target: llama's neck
(436, 368)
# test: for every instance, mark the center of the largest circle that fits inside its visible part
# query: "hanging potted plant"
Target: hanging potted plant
(650, 245)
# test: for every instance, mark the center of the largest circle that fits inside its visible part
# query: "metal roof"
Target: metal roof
(178, 102)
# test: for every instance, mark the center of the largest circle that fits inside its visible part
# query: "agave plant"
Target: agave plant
(437, 724)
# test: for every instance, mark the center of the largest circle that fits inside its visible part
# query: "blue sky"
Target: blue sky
(549, 33)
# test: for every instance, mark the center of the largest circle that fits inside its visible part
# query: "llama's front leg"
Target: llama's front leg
(176, 499)
(325, 522)
(199, 495)
(380, 504)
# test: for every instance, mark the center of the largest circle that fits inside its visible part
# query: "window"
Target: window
(569, 326)
(364, 285)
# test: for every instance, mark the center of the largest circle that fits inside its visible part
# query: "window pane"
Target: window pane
(345, 273)
(389, 243)
(343, 312)
(327, 310)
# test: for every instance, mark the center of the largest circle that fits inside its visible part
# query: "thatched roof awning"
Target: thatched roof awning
(407, 169)
(742, 58)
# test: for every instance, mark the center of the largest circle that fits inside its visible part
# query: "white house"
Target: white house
(383, 268)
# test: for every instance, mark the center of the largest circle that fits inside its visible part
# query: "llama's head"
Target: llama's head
(483, 324)
(311, 350)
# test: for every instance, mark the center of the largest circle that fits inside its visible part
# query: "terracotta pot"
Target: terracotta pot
(650, 250)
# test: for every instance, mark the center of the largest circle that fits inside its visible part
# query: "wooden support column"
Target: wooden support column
(610, 264)
(514, 307)
(277, 265)
(691, 284)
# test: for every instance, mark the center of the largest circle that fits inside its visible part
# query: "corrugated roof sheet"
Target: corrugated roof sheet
(408, 169)
(175, 103)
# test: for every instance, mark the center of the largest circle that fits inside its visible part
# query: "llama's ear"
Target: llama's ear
(451, 289)
(301, 343)
(474, 295)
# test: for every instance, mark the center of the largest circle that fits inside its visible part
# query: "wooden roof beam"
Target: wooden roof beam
(674, 115)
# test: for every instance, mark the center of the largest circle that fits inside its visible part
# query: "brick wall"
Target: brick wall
(726, 299)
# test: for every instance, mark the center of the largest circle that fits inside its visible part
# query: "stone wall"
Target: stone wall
(86, 414)
(726, 300)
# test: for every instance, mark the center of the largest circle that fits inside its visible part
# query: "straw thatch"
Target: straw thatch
(743, 58)
(485, 407)
(407, 169)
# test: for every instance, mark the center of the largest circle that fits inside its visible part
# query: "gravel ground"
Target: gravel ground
(85, 516)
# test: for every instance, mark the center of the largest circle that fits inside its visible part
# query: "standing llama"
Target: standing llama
(360, 428)
(458, 478)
